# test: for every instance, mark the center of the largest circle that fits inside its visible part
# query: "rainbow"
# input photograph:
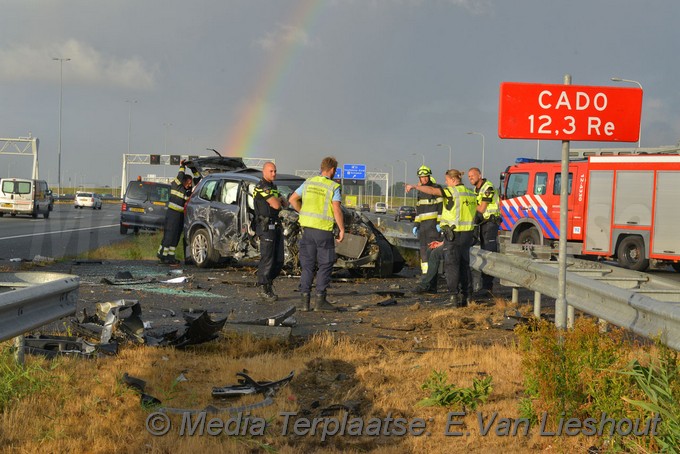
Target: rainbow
(244, 134)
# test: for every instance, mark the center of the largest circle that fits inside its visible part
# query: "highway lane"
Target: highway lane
(67, 233)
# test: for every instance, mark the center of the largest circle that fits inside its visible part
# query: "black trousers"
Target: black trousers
(174, 224)
(488, 241)
(271, 256)
(427, 233)
(317, 249)
(457, 262)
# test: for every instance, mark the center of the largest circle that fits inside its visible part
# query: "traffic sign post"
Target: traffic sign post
(569, 112)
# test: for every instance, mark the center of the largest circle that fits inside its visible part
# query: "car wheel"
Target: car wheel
(123, 230)
(201, 249)
(2, 214)
(47, 214)
(35, 213)
(631, 253)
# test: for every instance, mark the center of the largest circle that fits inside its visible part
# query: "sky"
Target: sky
(373, 82)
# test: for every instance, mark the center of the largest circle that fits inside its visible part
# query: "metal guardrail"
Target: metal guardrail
(628, 308)
(29, 300)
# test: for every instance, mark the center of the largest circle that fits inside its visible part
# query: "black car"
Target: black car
(219, 223)
(405, 212)
(365, 207)
(144, 206)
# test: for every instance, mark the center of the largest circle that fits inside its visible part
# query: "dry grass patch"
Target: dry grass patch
(87, 409)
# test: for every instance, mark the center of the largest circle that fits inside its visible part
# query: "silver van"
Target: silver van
(20, 196)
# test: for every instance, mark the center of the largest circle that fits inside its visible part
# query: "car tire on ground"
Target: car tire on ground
(46, 215)
(202, 251)
(123, 230)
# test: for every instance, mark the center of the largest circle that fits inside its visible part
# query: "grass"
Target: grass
(85, 408)
(141, 246)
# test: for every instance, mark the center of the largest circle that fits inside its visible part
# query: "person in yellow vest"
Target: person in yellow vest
(488, 218)
(318, 202)
(457, 224)
(428, 211)
(180, 191)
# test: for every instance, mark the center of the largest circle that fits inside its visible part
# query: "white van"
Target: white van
(19, 196)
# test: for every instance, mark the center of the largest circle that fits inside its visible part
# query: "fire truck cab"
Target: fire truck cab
(620, 206)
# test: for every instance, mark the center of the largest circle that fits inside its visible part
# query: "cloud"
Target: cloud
(86, 65)
(284, 36)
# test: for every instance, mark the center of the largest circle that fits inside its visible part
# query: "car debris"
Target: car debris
(108, 323)
(53, 346)
(247, 386)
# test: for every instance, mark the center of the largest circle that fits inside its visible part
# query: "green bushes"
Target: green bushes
(582, 373)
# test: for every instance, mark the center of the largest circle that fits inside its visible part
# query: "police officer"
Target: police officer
(457, 224)
(428, 211)
(180, 191)
(488, 218)
(318, 202)
(268, 202)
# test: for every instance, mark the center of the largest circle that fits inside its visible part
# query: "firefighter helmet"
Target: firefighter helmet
(424, 171)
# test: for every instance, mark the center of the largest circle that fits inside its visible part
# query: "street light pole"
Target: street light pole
(446, 145)
(165, 138)
(405, 175)
(618, 79)
(61, 86)
(388, 186)
(421, 154)
(480, 134)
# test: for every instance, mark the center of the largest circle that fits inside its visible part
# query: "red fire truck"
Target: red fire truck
(620, 206)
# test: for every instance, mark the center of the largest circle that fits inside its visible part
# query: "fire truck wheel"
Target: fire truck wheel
(529, 236)
(631, 253)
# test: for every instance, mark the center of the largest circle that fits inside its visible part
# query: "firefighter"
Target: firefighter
(488, 218)
(268, 203)
(428, 210)
(457, 225)
(318, 202)
(180, 191)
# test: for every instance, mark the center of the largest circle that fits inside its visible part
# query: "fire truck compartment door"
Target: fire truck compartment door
(598, 222)
(665, 238)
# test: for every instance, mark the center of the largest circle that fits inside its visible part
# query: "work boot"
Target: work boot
(170, 260)
(303, 306)
(266, 293)
(321, 305)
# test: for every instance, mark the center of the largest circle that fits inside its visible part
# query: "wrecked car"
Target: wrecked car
(219, 223)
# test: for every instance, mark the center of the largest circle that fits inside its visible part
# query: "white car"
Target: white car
(88, 200)
(381, 207)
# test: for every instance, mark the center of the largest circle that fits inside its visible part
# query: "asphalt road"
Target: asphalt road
(66, 233)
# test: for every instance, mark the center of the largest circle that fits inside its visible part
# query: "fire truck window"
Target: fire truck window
(557, 187)
(540, 183)
(517, 185)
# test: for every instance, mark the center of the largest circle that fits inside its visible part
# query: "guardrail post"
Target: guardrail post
(537, 304)
(19, 352)
(570, 316)
(515, 295)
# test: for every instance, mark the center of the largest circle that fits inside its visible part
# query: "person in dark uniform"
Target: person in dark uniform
(488, 218)
(180, 191)
(318, 202)
(428, 211)
(268, 203)
(457, 224)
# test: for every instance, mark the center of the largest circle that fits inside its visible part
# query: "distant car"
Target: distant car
(50, 197)
(405, 213)
(381, 207)
(20, 196)
(144, 206)
(365, 207)
(87, 200)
